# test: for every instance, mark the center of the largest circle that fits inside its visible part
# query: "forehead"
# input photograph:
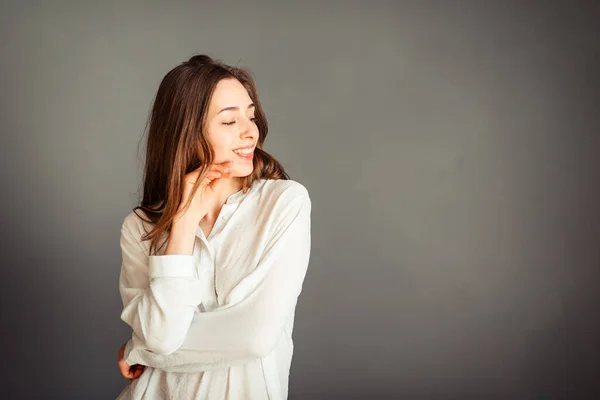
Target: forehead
(229, 93)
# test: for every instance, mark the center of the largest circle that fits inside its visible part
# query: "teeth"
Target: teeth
(243, 151)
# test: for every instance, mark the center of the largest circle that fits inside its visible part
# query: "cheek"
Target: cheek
(222, 147)
(222, 155)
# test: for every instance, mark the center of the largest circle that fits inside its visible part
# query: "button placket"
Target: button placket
(208, 259)
(221, 219)
(200, 235)
(206, 274)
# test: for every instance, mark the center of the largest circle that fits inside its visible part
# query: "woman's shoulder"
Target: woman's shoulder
(282, 197)
(283, 189)
(136, 223)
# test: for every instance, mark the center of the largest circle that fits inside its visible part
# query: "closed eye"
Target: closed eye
(253, 119)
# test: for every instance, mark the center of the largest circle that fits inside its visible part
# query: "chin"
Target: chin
(242, 173)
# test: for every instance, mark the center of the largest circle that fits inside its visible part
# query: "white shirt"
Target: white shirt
(218, 324)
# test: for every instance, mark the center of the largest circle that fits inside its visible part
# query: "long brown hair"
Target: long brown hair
(177, 142)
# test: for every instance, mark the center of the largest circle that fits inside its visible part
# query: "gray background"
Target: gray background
(450, 149)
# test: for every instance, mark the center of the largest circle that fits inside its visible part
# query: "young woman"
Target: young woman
(214, 258)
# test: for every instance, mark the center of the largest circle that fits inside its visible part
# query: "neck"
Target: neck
(226, 189)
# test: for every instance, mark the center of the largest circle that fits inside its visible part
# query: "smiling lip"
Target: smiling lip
(245, 157)
(247, 147)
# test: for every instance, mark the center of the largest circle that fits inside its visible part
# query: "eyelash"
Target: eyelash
(233, 122)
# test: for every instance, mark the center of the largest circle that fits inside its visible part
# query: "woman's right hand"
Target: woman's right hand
(130, 372)
(205, 197)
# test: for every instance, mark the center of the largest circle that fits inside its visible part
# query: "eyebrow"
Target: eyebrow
(235, 108)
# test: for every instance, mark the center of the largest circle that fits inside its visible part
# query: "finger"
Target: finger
(132, 372)
(138, 373)
(214, 172)
(124, 368)
(136, 370)
(207, 175)
(212, 167)
(135, 367)
(214, 184)
(211, 176)
(220, 167)
(225, 174)
(195, 174)
(125, 372)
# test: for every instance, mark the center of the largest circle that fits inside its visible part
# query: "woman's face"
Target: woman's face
(231, 127)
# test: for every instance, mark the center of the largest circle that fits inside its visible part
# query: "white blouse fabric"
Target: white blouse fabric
(217, 324)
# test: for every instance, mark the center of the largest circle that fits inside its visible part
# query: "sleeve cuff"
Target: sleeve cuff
(128, 353)
(172, 265)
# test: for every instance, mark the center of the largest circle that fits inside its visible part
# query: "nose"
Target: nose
(250, 129)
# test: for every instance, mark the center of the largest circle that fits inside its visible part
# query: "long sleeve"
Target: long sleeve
(253, 319)
(160, 294)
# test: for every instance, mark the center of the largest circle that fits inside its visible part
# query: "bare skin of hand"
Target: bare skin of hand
(130, 372)
(204, 199)
(205, 196)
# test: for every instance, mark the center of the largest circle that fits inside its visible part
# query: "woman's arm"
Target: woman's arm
(249, 326)
(159, 293)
